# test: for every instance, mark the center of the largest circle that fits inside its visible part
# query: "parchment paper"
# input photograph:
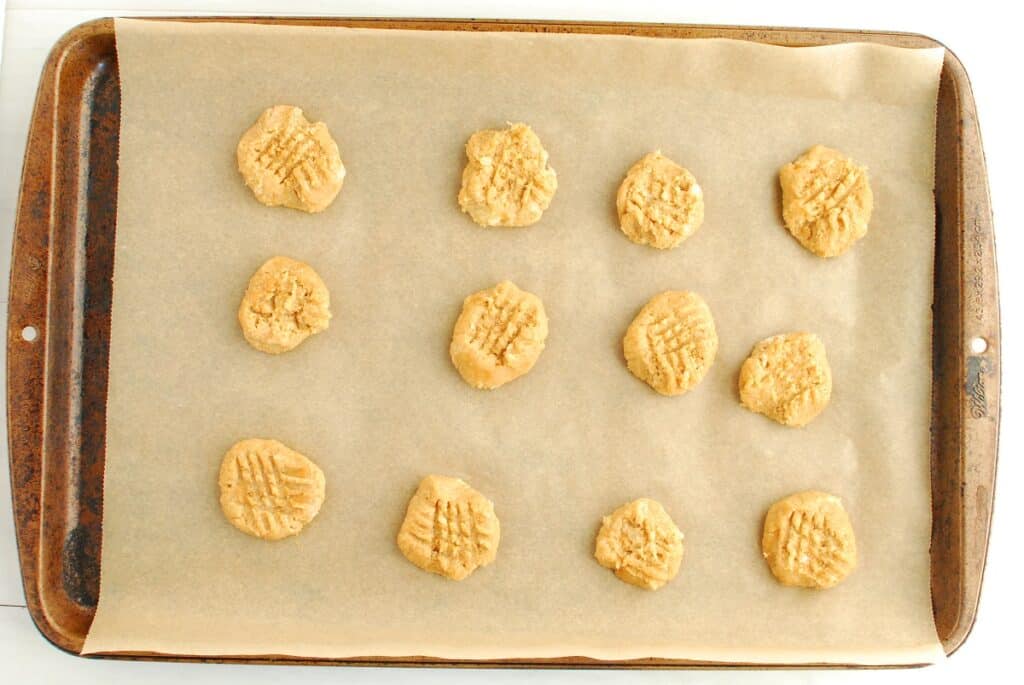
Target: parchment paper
(375, 400)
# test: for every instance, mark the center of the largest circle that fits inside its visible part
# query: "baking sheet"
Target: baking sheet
(375, 400)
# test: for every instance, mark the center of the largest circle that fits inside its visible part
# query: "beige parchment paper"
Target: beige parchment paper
(375, 400)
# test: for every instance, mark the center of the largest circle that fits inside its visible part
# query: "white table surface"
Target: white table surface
(981, 33)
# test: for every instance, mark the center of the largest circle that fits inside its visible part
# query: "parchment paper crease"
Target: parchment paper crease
(376, 403)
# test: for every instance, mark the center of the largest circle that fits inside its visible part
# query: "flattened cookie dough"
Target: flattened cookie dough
(641, 543)
(268, 490)
(826, 201)
(286, 160)
(808, 540)
(672, 342)
(498, 336)
(285, 303)
(659, 202)
(507, 180)
(787, 378)
(449, 528)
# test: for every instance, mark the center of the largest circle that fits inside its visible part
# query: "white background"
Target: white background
(984, 36)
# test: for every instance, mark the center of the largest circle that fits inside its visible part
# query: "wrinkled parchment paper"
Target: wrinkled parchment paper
(375, 400)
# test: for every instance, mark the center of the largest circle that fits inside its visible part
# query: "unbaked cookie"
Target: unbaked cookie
(659, 202)
(285, 303)
(507, 180)
(286, 160)
(826, 201)
(640, 542)
(808, 540)
(787, 378)
(498, 336)
(449, 528)
(672, 342)
(269, 490)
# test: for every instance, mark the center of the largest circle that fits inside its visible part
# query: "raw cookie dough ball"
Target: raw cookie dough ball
(286, 160)
(641, 544)
(507, 180)
(808, 540)
(826, 201)
(498, 336)
(672, 342)
(449, 528)
(787, 378)
(285, 303)
(268, 490)
(659, 203)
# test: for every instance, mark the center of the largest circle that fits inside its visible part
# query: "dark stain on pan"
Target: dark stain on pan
(80, 567)
(101, 211)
